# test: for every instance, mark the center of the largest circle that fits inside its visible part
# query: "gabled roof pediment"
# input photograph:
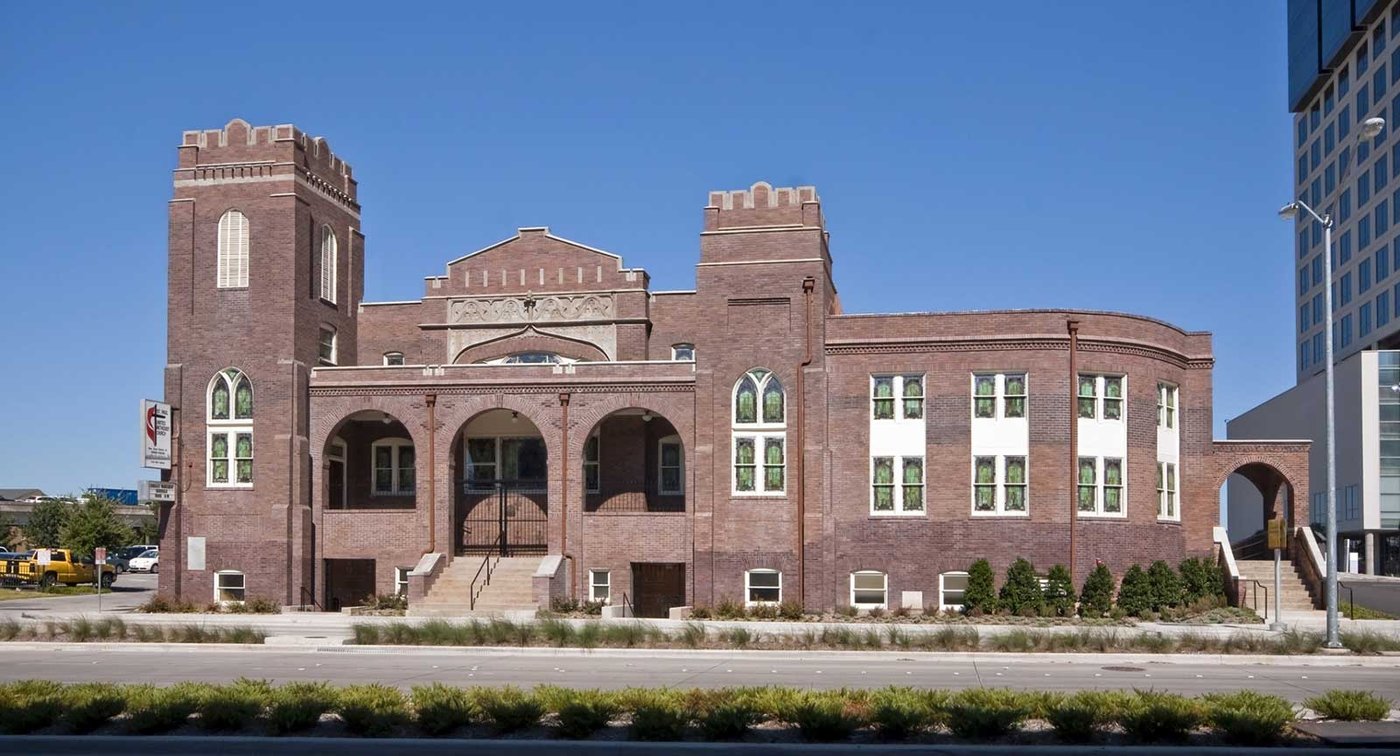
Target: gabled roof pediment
(536, 260)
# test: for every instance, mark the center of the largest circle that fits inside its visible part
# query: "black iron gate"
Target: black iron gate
(511, 514)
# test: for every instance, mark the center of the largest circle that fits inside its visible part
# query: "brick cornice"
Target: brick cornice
(513, 388)
(1043, 343)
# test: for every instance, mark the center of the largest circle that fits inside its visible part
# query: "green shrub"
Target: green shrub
(29, 705)
(980, 596)
(88, 706)
(372, 710)
(1249, 718)
(728, 609)
(825, 716)
(299, 705)
(899, 712)
(1350, 706)
(509, 709)
(724, 714)
(986, 713)
(1167, 590)
(1077, 718)
(1058, 596)
(791, 610)
(1021, 594)
(232, 707)
(1096, 597)
(1201, 579)
(1152, 716)
(585, 712)
(439, 709)
(1135, 595)
(657, 715)
(152, 710)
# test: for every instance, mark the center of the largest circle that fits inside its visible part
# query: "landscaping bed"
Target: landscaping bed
(112, 629)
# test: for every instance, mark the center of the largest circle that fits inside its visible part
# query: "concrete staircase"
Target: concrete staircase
(1296, 598)
(511, 589)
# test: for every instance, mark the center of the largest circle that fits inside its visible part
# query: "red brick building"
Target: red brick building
(745, 440)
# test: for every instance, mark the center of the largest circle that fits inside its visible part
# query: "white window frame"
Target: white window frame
(329, 262)
(999, 395)
(595, 463)
(761, 432)
(389, 358)
(401, 580)
(335, 346)
(229, 428)
(1168, 405)
(898, 486)
(677, 348)
(1100, 398)
(943, 590)
(594, 584)
(675, 440)
(396, 447)
(1100, 470)
(760, 483)
(899, 383)
(219, 576)
(1001, 485)
(1169, 488)
(885, 577)
(749, 587)
(232, 262)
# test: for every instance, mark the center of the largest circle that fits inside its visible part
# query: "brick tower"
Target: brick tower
(265, 276)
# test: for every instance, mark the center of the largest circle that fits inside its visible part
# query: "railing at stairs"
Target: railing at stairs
(482, 578)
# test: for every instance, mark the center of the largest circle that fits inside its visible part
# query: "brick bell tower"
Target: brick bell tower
(265, 276)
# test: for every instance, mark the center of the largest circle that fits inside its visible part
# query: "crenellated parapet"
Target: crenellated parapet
(242, 152)
(763, 205)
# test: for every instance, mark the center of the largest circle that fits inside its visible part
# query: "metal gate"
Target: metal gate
(510, 514)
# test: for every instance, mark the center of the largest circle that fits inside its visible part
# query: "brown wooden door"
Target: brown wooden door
(657, 587)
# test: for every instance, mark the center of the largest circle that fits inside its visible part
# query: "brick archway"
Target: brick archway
(1278, 469)
(531, 340)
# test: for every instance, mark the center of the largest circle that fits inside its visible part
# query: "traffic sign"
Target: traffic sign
(1276, 533)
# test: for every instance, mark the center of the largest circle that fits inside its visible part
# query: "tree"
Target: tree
(1135, 594)
(1096, 599)
(1166, 585)
(148, 531)
(1021, 594)
(1059, 592)
(980, 596)
(10, 534)
(93, 523)
(46, 521)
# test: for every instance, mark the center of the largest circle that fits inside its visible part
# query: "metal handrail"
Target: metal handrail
(1351, 600)
(1254, 597)
(627, 602)
(486, 566)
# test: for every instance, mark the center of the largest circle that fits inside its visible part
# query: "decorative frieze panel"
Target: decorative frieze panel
(530, 309)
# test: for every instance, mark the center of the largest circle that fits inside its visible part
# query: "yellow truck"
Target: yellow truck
(62, 567)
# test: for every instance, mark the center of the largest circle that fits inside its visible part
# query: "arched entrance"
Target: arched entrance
(500, 491)
(370, 463)
(1255, 493)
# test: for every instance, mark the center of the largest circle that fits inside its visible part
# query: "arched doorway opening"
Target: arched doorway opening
(370, 463)
(1256, 492)
(500, 487)
(633, 461)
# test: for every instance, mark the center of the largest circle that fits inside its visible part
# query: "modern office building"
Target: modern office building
(1343, 68)
(540, 408)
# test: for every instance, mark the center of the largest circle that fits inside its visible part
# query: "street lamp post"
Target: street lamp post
(1368, 130)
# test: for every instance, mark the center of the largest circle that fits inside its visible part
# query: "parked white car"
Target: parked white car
(147, 562)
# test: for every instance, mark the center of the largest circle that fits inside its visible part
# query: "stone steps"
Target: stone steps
(1295, 595)
(511, 590)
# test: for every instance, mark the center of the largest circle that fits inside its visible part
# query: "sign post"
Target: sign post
(1276, 534)
(99, 558)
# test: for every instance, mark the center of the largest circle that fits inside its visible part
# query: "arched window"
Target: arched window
(233, 251)
(393, 467)
(759, 434)
(393, 358)
(530, 358)
(328, 261)
(230, 425)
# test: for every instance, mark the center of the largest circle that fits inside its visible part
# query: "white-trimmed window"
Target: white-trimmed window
(393, 467)
(670, 462)
(683, 352)
(1101, 483)
(952, 586)
(869, 589)
(233, 251)
(1167, 482)
(763, 587)
(326, 346)
(230, 587)
(897, 485)
(906, 390)
(401, 580)
(393, 358)
(998, 395)
(1166, 405)
(600, 586)
(592, 456)
(759, 433)
(1101, 396)
(230, 430)
(999, 484)
(328, 264)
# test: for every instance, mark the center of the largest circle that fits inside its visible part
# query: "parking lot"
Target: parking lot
(130, 591)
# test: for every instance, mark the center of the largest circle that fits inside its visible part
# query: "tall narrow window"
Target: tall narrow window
(591, 459)
(913, 387)
(897, 485)
(1166, 491)
(233, 251)
(999, 485)
(1101, 486)
(1088, 397)
(326, 346)
(393, 467)
(759, 434)
(984, 390)
(670, 473)
(1101, 396)
(1166, 405)
(401, 580)
(998, 395)
(329, 259)
(882, 397)
(599, 586)
(1014, 400)
(230, 430)
(906, 392)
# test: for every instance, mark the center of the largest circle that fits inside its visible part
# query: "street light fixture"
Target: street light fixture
(1369, 129)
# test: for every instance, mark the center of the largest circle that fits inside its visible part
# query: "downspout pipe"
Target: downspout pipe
(564, 397)
(809, 284)
(431, 400)
(1073, 327)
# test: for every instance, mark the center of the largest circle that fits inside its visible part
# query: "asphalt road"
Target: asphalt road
(406, 667)
(130, 591)
(1381, 594)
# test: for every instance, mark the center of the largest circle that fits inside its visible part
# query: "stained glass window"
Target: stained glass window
(242, 399)
(218, 403)
(1112, 398)
(744, 464)
(1015, 395)
(218, 457)
(230, 429)
(913, 397)
(883, 483)
(1087, 397)
(1015, 484)
(882, 398)
(758, 428)
(1088, 481)
(773, 464)
(746, 401)
(985, 390)
(1112, 485)
(984, 484)
(773, 401)
(913, 489)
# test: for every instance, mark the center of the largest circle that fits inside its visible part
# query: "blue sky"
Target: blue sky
(1093, 154)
